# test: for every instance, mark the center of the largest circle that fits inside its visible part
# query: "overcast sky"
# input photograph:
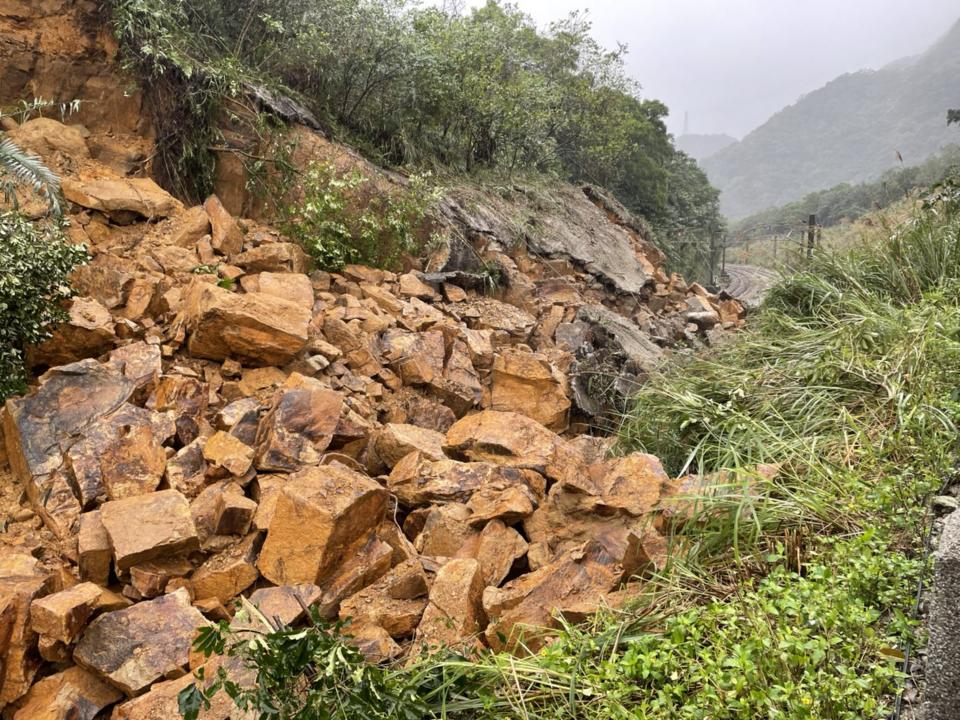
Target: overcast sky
(733, 63)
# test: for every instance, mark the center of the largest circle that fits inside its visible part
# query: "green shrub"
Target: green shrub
(344, 218)
(35, 259)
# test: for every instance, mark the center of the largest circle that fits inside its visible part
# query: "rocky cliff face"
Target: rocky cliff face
(411, 450)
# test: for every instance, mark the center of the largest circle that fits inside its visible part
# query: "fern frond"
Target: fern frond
(24, 168)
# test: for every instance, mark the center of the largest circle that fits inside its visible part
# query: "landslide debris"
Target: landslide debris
(215, 419)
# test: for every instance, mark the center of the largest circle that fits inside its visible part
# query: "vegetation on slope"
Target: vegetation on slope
(846, 202)
(789, 596)
(418, 87)
(848, 131)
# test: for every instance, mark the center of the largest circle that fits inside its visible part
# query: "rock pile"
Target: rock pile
(215, 420)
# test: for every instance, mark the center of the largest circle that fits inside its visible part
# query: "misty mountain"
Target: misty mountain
(850, 130)
(700, 147)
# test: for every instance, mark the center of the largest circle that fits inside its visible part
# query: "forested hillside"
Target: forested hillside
(847, 131)
(483, 92)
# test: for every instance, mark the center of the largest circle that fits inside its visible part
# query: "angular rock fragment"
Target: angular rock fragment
(454, 615)
(527, 383)
(146, 527)
(298, 427)
(233, 514)
(395, 602)
(226, 236)
(149, 641)
(511, 439)
(285, 604)
(62, 615)
(88, 332)
(257, 328)
(227, 574)
(37, 428)
(122, 199)
(394, 441)
(320, 513)
(22, 581)
(93, 549)
(497, 547)
(74, 694)
(521, 610)
(274, 257)
(151, 579)
(224, 451)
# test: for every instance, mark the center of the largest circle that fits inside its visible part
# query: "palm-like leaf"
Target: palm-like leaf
(18, 167)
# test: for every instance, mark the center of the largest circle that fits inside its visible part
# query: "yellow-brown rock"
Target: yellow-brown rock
(294, 287)
(22, 581)
(87, 333)
(320, 513)
(394, 441)
(74, 694)
(227, 574)
(147, 527)
(395, 602)
(62, 615)
(93, 549)
(34, 427)
(577, 579)
(274, 257)
(514, 440)
(256, 328)
(147, 642)
(226, 236)
(225, 451)
(527, 383)
(497, 547)
(298, 427)
(454, 615)
(122, 199)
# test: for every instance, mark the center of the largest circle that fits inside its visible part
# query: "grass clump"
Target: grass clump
(789, 595)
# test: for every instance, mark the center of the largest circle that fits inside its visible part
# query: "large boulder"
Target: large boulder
(527, 383)
(454, 614)
(257, 328)
(147, 642)
(122, 199)
(22, 580)
(146, 527)
(524, 608)
(320, 514)
(40, 427)
(74, 694)
(417, 480)
(299, 426)
(511, 439)
(88, 332)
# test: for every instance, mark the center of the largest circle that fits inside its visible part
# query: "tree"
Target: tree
(953, 116)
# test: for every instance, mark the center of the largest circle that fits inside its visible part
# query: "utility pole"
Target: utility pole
(713, 258)
(811, 234)
(723, 250)
(775, 238)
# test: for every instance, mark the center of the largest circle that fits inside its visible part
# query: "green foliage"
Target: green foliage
(310, 672)
(953, 116)
(418, 86)
(849, 202)
(35, 260)
(345, 218)
(19, 168)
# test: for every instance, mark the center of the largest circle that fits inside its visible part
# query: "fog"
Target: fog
(732, 63)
